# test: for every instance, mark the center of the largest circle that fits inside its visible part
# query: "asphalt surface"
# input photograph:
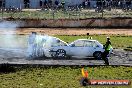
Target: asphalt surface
(18, 57)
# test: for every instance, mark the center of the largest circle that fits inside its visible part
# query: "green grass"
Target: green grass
(61, 77)
(117, 41)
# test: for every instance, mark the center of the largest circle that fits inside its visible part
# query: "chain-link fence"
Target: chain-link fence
(93, 9)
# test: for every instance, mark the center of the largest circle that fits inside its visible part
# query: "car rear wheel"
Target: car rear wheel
(60, 53)
(98, 55)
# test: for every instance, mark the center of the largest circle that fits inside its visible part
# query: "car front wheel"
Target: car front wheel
(60, 53)
(98, 55)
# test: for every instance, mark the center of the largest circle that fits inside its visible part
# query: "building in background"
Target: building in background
(35, 4)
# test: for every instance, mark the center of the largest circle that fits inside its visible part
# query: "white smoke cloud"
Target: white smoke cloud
(41, 44)
(7, 31)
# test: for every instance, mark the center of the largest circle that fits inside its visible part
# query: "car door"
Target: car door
(90, 47)
(77, 48)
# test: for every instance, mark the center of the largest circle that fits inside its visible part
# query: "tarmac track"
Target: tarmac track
(18, 57)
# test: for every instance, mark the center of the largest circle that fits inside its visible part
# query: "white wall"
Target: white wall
(72, 2)
(15, 3)
(20, 3)
(93, 3)
(34, 4)
(76, 2)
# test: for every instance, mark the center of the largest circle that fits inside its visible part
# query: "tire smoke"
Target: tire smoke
(8, 31)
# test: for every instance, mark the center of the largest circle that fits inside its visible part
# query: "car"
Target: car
(53, 47)
(80, 48)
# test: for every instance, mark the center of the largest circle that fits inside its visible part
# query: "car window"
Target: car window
(89, 44)
(79, 43)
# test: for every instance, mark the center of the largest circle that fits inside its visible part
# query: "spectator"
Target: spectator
(116, 3)
(123, 4)
(10, 8)
(128, 4)
(50, 3)
(111, 3)
(56, 2)
(108, 3)
(98, 3)
(119, 4)
(40, 3)
(63, 3)
(103, 2)
(28, 4)
(88, 3)
(45, 3)
(83, 4)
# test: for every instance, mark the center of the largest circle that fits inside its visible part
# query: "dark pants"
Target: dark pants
(105, 57)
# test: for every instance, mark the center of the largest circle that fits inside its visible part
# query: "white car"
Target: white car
(81, 48)
(55, 48)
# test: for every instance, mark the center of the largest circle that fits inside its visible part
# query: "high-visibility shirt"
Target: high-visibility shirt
(109, 47)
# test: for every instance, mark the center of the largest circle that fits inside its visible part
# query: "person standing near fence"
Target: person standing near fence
(45, 4)
(56, 4)
(88, 3)
(83, 4)
(40, 3)
(50, 3)
(63, 4)
(108, 4)
(128, 4)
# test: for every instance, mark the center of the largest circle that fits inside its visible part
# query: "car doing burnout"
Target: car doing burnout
(81, 48)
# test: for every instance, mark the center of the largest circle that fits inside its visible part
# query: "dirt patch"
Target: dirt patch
(74, 31)
(70, 31)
